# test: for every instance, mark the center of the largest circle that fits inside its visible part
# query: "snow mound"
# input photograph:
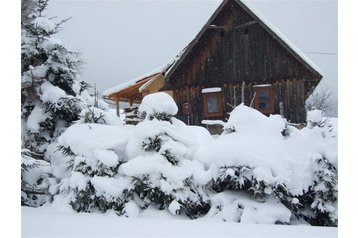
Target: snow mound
(249, 120)
(51, 93)
(158, 103)
(84, 138)
(314, 116)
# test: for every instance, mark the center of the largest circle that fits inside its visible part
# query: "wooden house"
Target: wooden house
(236, 57)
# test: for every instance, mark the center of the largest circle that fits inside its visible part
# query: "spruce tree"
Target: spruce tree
(52, 95)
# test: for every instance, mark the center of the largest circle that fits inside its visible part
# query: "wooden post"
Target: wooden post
(117, 106)
(253, 98)
(281, 110)
(243, 92)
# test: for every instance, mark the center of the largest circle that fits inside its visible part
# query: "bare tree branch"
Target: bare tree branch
(322, 100)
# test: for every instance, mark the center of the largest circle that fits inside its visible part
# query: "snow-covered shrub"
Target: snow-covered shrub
(253, 157)
(94, 183)
(240, 178)
(158, 105)
(159, 150)
(153, 143)
(160, 168)
(179, 197)
(35, 180)
(93, 114)
(315, 118)
(252, 174)
(239, 207)
(319, 202)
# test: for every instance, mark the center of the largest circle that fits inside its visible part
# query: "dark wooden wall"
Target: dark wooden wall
(236, 48)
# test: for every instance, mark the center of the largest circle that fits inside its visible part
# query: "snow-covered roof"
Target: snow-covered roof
(161, 69)
(125, 85)
(281, 35)
(285, 42)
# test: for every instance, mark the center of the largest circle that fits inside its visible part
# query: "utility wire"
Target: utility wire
(321, 53)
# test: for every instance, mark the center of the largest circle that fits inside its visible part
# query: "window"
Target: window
(213, 104)
(264, 100)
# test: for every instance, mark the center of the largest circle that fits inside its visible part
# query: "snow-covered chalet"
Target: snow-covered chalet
(238, 56)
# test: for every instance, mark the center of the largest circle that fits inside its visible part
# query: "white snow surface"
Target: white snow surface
(212, 122)
(37, 115)
(51, 93)
(54, 222)
(84, 138)
(239, 207)
(45, 24)
(160, 102)
(314, 116)
(210, 90)
(261, 85)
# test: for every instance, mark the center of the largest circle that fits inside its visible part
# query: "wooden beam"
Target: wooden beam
(246, 24)
(117, 106)
(229, 27)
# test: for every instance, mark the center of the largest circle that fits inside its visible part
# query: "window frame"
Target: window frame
(271, 99)
(220, 98)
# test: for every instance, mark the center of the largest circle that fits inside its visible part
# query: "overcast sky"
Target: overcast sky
(121, 40)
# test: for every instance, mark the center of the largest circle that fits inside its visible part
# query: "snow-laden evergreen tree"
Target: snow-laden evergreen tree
(157, 140)
(52, 95)
(148, 169)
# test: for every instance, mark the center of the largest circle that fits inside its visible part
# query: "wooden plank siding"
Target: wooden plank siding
(235, 48)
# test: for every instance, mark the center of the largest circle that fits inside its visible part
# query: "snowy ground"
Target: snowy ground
(50, 222)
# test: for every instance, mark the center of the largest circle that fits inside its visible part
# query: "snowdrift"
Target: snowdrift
(260, 170)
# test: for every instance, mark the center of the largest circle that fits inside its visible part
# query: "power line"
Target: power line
(321, 53)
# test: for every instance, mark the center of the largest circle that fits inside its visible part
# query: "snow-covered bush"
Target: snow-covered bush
(178, 195)
(93, 114)
(318, 205)
(282, 169)
(35, 180)
(93, 183)
(252, 173)
(315, 118)
(239, 207)
(130, 168)
(241, 178)
(325, 190)
(158, 105)
(159, 159)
